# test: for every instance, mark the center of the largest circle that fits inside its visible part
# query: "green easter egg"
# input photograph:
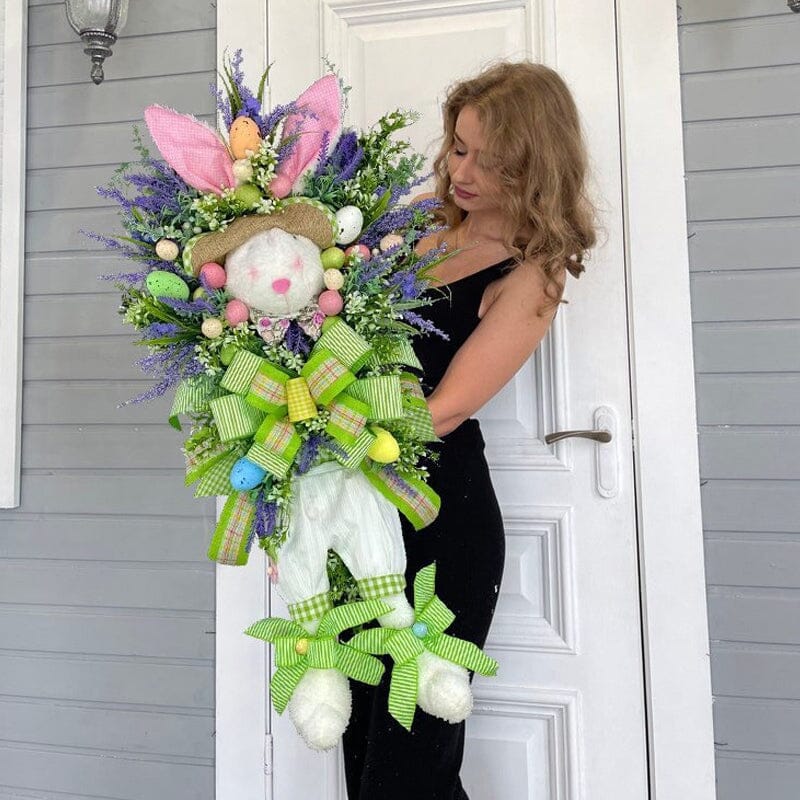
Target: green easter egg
(327, 322)
(247, 194)
(198, 293)
(227, 353)
(332, 258)
(161, 283)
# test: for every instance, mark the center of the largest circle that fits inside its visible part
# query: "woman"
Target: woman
(511, 176)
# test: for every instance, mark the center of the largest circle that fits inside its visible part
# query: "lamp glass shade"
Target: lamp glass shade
(103, 15)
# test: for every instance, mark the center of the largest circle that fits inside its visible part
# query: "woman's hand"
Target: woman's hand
(503, 341)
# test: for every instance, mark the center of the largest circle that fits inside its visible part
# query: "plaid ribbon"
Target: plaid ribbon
(231, 539)
(414, 498)
(404, 645)
(296, 651)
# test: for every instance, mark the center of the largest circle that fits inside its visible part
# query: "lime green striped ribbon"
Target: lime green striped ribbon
(405, 645)
(415, 409)
(413, 497)
(297, 651)
(193, 394)
(383, 393)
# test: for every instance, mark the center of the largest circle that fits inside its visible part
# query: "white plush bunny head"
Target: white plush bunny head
(275, 272)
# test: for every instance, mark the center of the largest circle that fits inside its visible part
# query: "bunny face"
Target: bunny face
(275, 272)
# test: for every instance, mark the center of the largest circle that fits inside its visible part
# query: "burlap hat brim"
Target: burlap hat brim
(303, 218)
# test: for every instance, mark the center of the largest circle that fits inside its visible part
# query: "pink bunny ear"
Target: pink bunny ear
(191, 148)
(322, 100)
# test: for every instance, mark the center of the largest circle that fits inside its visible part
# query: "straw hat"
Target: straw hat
(300, 215)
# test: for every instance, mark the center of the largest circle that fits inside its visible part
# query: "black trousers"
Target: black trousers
(383, 761)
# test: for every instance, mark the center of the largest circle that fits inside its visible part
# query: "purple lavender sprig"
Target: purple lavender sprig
(189, 306)
(266, 516)
(424, 325)
(296, 340)
(171, 365)
(396, 219)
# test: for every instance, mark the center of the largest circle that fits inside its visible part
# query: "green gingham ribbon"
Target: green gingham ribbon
(415, 409)
(297, 651)
(404, 646)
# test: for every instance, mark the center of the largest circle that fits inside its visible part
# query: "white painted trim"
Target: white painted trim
(675, 625)
(242, 721)
(12, 248)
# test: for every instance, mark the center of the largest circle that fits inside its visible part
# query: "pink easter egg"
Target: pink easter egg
(213, 274)
(330, 302)
(360, 250)
(236, 312)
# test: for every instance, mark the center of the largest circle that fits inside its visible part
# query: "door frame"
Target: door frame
(669, 524)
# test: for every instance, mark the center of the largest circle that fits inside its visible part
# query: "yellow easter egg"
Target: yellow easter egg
(384, 449)
(244, 136)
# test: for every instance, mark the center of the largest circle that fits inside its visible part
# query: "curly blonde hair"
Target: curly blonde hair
(535, 146)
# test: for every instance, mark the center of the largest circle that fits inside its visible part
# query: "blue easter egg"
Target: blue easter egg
(420, 630)
(246, 475)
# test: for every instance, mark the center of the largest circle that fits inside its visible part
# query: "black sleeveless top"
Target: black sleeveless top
(454, 312)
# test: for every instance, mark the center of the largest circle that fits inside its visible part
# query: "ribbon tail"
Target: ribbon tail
(403, 693)
(283, 684)
(464, 653)
(359, 666)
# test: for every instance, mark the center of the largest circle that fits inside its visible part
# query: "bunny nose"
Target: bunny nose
(281, 285)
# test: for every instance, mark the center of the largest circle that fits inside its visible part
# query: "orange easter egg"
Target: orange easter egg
(244, 136)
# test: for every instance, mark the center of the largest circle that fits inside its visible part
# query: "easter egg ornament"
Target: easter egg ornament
(161, 283)
(349, 219)
(290, 349)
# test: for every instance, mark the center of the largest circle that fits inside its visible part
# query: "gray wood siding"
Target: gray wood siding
(740, 66)
(106, 595)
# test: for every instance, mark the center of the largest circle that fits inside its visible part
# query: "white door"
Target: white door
(565, 716)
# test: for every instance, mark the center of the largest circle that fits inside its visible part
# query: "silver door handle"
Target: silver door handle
(601, 435)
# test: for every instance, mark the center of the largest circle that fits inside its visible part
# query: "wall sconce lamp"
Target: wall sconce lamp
(97, 22)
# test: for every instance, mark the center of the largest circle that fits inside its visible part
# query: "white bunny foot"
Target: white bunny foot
(320, 707)
(443, 689)
(401, 615)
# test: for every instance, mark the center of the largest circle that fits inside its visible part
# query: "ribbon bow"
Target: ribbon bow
(265, 401)
(404, 645)
(297, 651)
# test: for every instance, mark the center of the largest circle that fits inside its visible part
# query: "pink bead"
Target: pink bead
(330, 302)
(213, 274)
(236, 312)
(359, 250)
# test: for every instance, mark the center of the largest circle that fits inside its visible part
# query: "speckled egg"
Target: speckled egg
(211, 327)
(333, 279)
(161, 283)
(389, 241)
(213, 274)
(167, 250)
(248, 194)
(246, 475)
(236, 312)
(242, 171)
(330, 302)
(349, 219)
(244, 136)
(358, 251)
(332, 258)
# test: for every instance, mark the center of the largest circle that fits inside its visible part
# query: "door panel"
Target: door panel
(564, 718)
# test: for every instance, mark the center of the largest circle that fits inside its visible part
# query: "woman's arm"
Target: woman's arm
(503, 340)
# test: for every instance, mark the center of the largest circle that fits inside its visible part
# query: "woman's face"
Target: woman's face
(475, 187)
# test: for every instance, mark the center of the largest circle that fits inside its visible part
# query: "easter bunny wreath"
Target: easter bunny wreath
(275, 290)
